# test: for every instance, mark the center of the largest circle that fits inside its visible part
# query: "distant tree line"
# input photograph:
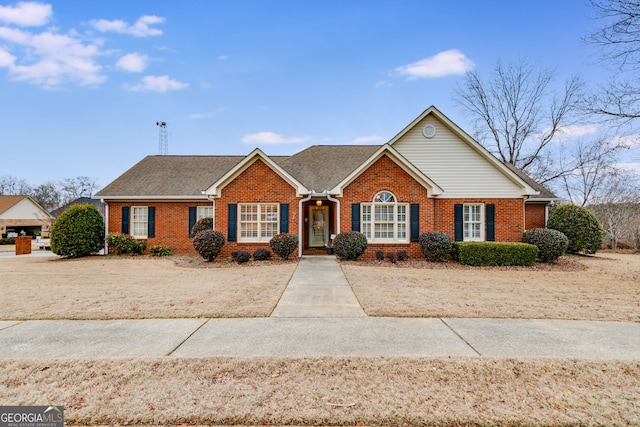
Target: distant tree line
(50, 195)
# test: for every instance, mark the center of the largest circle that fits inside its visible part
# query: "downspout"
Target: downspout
(337, 202)
(106, 226)
(300, 221)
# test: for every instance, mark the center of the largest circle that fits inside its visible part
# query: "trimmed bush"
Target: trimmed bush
(551, 243)
(392, 257)
(579, 225)
(435, 245)
(283, 244)
(78, 232)
(120, 244)
(241, 256)
(203, 224)
(403, 255)
(8, 241)
(380, 255)
(159, 250)
(208, 243)
(261, 254)
(349, 245)
(492, 253)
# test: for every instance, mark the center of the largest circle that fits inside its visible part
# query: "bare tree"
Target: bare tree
(12, 186)
(518, 115)
(47, 195)
(619, 42)
(616, 204)
(74, 188)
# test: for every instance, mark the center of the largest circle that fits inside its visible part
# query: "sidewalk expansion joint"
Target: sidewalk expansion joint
(461, 337)
(187, 338)
(18, 322)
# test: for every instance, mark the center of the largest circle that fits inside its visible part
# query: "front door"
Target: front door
(318, 226)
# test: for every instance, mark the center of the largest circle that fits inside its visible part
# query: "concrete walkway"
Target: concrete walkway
(318, 315)
(318, 288)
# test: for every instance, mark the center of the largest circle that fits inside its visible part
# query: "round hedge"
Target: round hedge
(202, 224)
(283, 244)
(435, 245)
(349, 245)
(551, 243)
(208, 243)
(78, 232)
(579, 225)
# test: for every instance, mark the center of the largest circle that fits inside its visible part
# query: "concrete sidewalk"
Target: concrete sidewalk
(294, 337)
(318, 315)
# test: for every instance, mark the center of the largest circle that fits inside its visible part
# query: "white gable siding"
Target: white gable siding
(24, 209)
(452, 164)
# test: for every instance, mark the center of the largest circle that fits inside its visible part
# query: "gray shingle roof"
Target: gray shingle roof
(322, 167)
(317, 168)
(545, 193)
(170, 176)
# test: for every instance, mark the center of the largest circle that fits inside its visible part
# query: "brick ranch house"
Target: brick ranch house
(431, 176)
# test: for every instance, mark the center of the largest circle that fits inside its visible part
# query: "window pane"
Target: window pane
(139, 215)
(204, 212)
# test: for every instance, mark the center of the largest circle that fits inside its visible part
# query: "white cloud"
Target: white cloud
(576, 131)
(141, 28)
(26, 14)
(158, 84)
(51, 59)
(629, 141)
(133, 62)
(272, 139)
(383, 83)
(365, 140)
(443, 64)
(6, 59)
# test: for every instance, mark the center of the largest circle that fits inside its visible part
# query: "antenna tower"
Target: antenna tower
(163, 138)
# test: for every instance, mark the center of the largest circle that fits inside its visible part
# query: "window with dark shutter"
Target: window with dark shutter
(355, 217)
(232, 222)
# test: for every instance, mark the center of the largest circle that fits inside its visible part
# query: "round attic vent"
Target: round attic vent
(429, 131)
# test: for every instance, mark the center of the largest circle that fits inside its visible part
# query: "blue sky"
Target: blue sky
(83, 83)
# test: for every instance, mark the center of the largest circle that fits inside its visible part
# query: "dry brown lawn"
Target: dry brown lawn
(330, 391)
(138, 287)
(324, 391)
(601, 287)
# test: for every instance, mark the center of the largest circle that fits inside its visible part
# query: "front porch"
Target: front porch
(319, 225)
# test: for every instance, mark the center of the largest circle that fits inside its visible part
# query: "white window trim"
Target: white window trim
(482, 223)
(198, 210)
(132, 223)
(371, 238)
(259, 238)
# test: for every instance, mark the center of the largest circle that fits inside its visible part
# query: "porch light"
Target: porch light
(318, 202)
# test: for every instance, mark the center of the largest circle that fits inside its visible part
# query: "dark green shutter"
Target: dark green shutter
(125, 220)
(355, 217)
(458, 223)
(192, 218)
(489, 217)
(415, 222)
(232, 222)
(284, 218)
(151, 221)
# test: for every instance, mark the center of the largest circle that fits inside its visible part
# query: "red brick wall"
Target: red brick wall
(172, 222)
(386, 175)
(535, 216)
(509, 217)
(256, 184)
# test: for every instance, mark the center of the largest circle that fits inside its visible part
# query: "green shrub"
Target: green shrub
(403, 255)
(283, 244)
(392, 257)
(208, 243)
(551, 243)
(240, 256)
(349, 245)
(159, 250)
(380, 255)
(8, 241)
(492, 253)
(435, 245)
(78, 232)
(120, 244)
(261, 254)
(579, 225)
(203, 224)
